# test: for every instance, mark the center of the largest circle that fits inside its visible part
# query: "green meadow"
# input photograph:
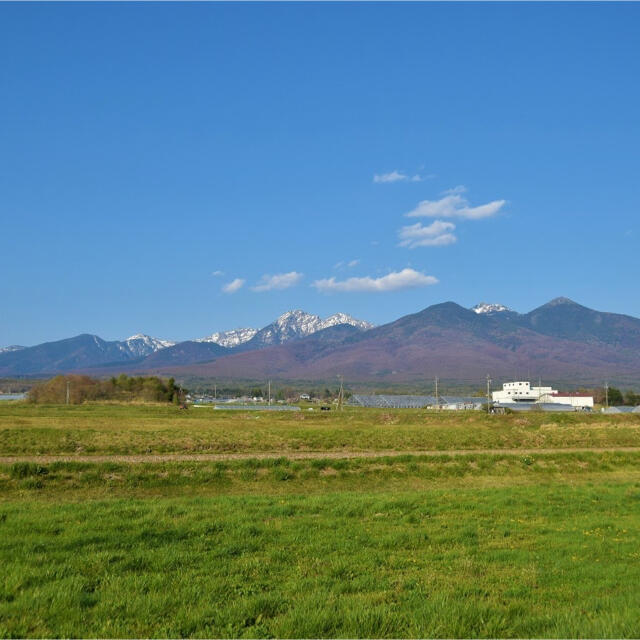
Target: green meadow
(102, 429)
(458, 543)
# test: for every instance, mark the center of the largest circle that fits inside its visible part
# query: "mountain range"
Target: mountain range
(289, 326)
(141, 351)
(560, 341)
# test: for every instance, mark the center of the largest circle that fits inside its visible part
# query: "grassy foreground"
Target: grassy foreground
(555, 561)
(502, 544)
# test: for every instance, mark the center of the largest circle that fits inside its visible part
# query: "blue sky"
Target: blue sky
(145, 148)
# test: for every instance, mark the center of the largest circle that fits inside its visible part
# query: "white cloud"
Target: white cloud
(398, 176)
(217, 273)
(278, 281)
(437, 234)
(394, 176)
(233, 286)
(394, 281)
(353, 263)
(454, 205)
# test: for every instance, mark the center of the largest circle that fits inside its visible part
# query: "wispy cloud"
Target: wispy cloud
(394, 281)
(346, 265)
(437, 234)
(397, 176)
(277, 281)
(455, 205)
(217, 273)
(393, 176)
(456, 190)
(233, 286)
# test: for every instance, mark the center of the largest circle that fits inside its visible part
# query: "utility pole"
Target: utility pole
(215, 392)
(488, 394)
(341, 392)
(606, 394)
(68, 391)
(437, 397)
(269, 392)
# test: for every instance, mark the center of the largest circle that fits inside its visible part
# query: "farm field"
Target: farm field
(445, 525)
(95, 429)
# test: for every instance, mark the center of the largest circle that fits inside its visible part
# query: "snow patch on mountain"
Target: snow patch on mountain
(12, 347)
(299, 324)
(140, 345)
(344, 318)
(488, 307)
(231, 338)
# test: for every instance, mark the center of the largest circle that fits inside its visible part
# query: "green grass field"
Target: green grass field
(494, 544)
(162, 429)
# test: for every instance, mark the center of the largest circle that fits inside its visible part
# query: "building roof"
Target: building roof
(411, 402)
(462, 400)
(620, 410)
(569, 394)
(534, 406)
(392, 401)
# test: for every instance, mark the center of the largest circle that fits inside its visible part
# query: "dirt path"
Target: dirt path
(301, 455)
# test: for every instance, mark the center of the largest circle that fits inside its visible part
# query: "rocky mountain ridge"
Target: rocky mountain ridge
(89, 351)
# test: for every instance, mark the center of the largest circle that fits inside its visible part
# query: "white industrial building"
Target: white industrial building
(523, 392)
(576, 400)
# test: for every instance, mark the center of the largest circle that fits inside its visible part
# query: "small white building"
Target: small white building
(522, 391)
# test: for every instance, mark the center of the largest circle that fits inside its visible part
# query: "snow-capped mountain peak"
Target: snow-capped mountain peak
(299, 324)
(289, 326)
(345, 318)
(298, 321)
(142, 337)
(488, 307)
(231, 338)
(140, 345)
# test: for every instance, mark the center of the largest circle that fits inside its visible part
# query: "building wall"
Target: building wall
(580, 402)
(521, 391)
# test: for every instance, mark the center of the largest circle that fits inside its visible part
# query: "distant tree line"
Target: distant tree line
(123, 389)
(14, 385)
(617, 397)
(279, 392)
(289, 393)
